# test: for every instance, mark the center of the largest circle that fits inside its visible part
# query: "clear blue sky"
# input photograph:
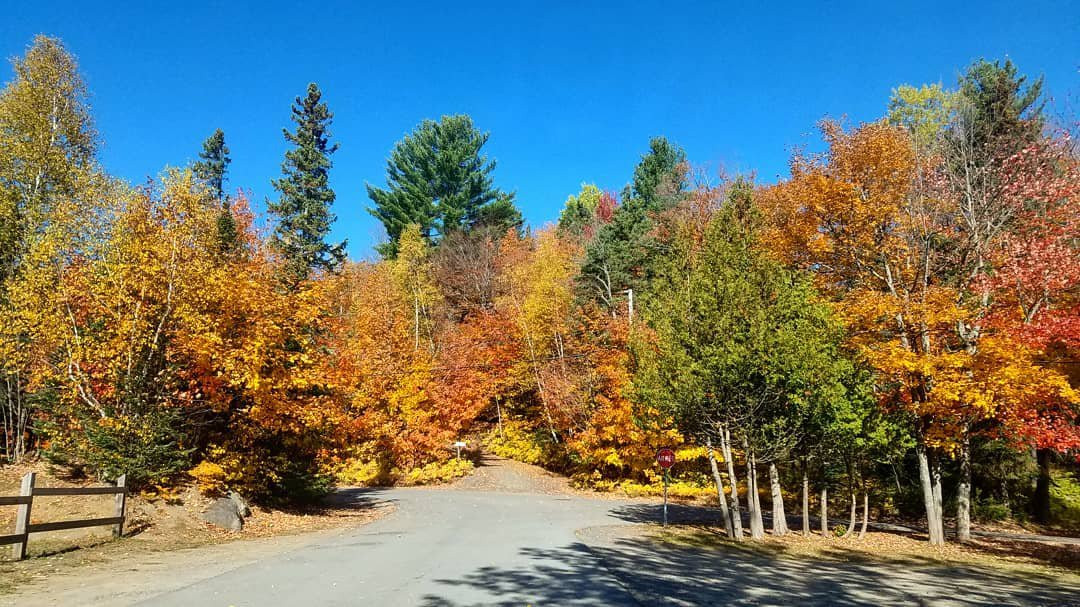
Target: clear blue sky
(571, 92)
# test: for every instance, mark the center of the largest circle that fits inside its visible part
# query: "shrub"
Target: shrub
(517, 442)
(148, 448)
(209, 478)
(363, 473)
(676, 489)
(437, 472)
(990, 510)
(1065, 500)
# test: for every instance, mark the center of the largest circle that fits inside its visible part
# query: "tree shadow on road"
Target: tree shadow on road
(630, 569)
(361, 498)
(708, 520)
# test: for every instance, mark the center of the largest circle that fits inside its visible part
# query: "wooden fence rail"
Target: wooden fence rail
(25, 502)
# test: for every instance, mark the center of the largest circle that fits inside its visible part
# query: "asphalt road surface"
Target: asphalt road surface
(511, 536)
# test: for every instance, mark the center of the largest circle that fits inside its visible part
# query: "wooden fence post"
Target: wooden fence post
(22, 518)
(121, 501)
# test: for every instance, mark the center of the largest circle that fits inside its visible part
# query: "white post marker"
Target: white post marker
(666, 458)
(458, 445)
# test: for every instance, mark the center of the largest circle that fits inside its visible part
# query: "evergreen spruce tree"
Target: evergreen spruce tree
(303, 209)
(619, 257)
(1004, 111)
(211, 168)
(438, 179)
(213, 163)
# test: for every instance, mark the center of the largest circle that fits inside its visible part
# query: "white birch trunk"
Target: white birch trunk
(779, 522)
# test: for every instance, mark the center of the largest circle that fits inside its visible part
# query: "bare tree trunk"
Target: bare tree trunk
(757, 526)
(851, 523)
(779, 518)
(865, 512)
(736, 514)
(939, 516)
(720, 489)
(805, 503)
(934, 530)
(825, 512)
(963, 493)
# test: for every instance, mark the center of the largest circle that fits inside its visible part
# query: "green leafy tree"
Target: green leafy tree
(211, 168)
(743, 350)
(579, 209)
(303, 209)
(438, 179)
(924, 111)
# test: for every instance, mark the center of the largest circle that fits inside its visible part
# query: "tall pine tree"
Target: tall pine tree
(438, 179)
(211, 167)
(618, 258)
(303, 210)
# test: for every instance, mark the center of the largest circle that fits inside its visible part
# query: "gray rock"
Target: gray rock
(242, 507)
(222, 513)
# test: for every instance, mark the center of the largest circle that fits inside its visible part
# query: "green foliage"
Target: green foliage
(990, 510)
(213, 163)
(438, 179)
(303, 210)
(621, 255)
(739, 339)
(923, 111)
(1065, 499)
(660, 178)
(578, 210)
(148, 448)
(1003, 110)
(211, 168)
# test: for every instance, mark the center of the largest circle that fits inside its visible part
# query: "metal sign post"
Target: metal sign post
(665, 496)
(666, 459)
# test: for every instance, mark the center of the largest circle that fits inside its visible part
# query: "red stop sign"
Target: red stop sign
(666, 458)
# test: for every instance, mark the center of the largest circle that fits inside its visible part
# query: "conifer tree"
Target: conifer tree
(303, 209)
(439, 180)
(619, 257)
(212, 166)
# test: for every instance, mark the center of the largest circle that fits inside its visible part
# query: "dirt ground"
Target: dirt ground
(155, 526)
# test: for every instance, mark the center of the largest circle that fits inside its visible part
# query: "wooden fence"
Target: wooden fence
(25, 502)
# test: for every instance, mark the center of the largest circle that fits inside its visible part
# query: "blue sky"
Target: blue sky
(571, 92)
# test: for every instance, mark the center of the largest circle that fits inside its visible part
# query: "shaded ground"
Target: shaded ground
(667, 573)
(515, 535)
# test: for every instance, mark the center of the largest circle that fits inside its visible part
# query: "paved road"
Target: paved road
(487, 542)
(439, 548)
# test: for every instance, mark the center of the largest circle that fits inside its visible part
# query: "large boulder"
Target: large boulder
(223, 513)
(242, 507)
